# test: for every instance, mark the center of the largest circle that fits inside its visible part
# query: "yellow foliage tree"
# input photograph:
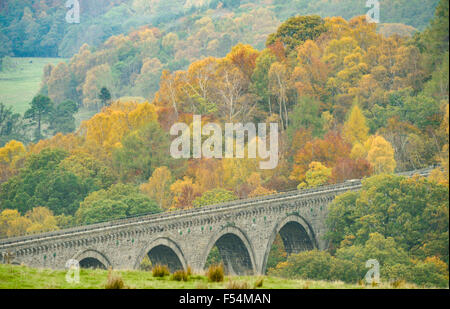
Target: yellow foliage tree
(158, 187)
(39, 219)
(42, 220)
(358, 151)
(12, 223)
(380, 155)
(260, 191)
(108, 127)
(69, 142)
(355, 128)
(317, 175)
(11, 151)
(184, 193)
(10, 154)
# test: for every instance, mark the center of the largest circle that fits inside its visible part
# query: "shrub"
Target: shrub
(397, 272)
(431, 272)
(180, 275)
(236, 285)
(344, 271)
(317, 265)
(146, 264)
(189, 271)
(114, 281)
(160, 270)
(215, 273)
(305, 265)
(398, 284)
(259, 282)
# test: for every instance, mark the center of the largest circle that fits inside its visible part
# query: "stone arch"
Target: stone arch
(236, 251)
(93, 258)
(163, 251)
(290, 225)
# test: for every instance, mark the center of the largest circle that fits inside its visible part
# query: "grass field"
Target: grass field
(21, 277)
(19, 85)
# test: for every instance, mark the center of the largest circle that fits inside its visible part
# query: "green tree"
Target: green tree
(62, 119)
(260, 78)
(142, 151)
(422, 111)
(306, 114)
(39, 112)
(119, 201)
(85, 166)
(412, 211)
(10, 125)
(316, 265)
(296, 30)
(104, 96)
(43, 183)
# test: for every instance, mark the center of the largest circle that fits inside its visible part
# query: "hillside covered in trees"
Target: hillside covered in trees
(37, 27)
(128, 43)
(350, 102)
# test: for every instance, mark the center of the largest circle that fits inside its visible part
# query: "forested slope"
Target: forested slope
(37, 28)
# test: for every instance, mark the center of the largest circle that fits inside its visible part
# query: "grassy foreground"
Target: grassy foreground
(21, 277)
(20, 84)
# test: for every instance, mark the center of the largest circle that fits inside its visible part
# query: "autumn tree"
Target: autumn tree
(230, 92)
(355, 129)
(106, 129)
(327, 151)
(317, 175)
(348, 168)
(311, 73)
(279, 85)
(380, 155)
(215, 196)
(59, 84)
(158, 187)
(42, 220)
(10, 154)
(12, 223)
(184, 191)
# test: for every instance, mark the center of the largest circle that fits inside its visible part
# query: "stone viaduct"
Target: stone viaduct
(242, 230)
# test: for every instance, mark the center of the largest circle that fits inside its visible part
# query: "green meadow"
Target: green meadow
(21, 277)
(20, 83)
